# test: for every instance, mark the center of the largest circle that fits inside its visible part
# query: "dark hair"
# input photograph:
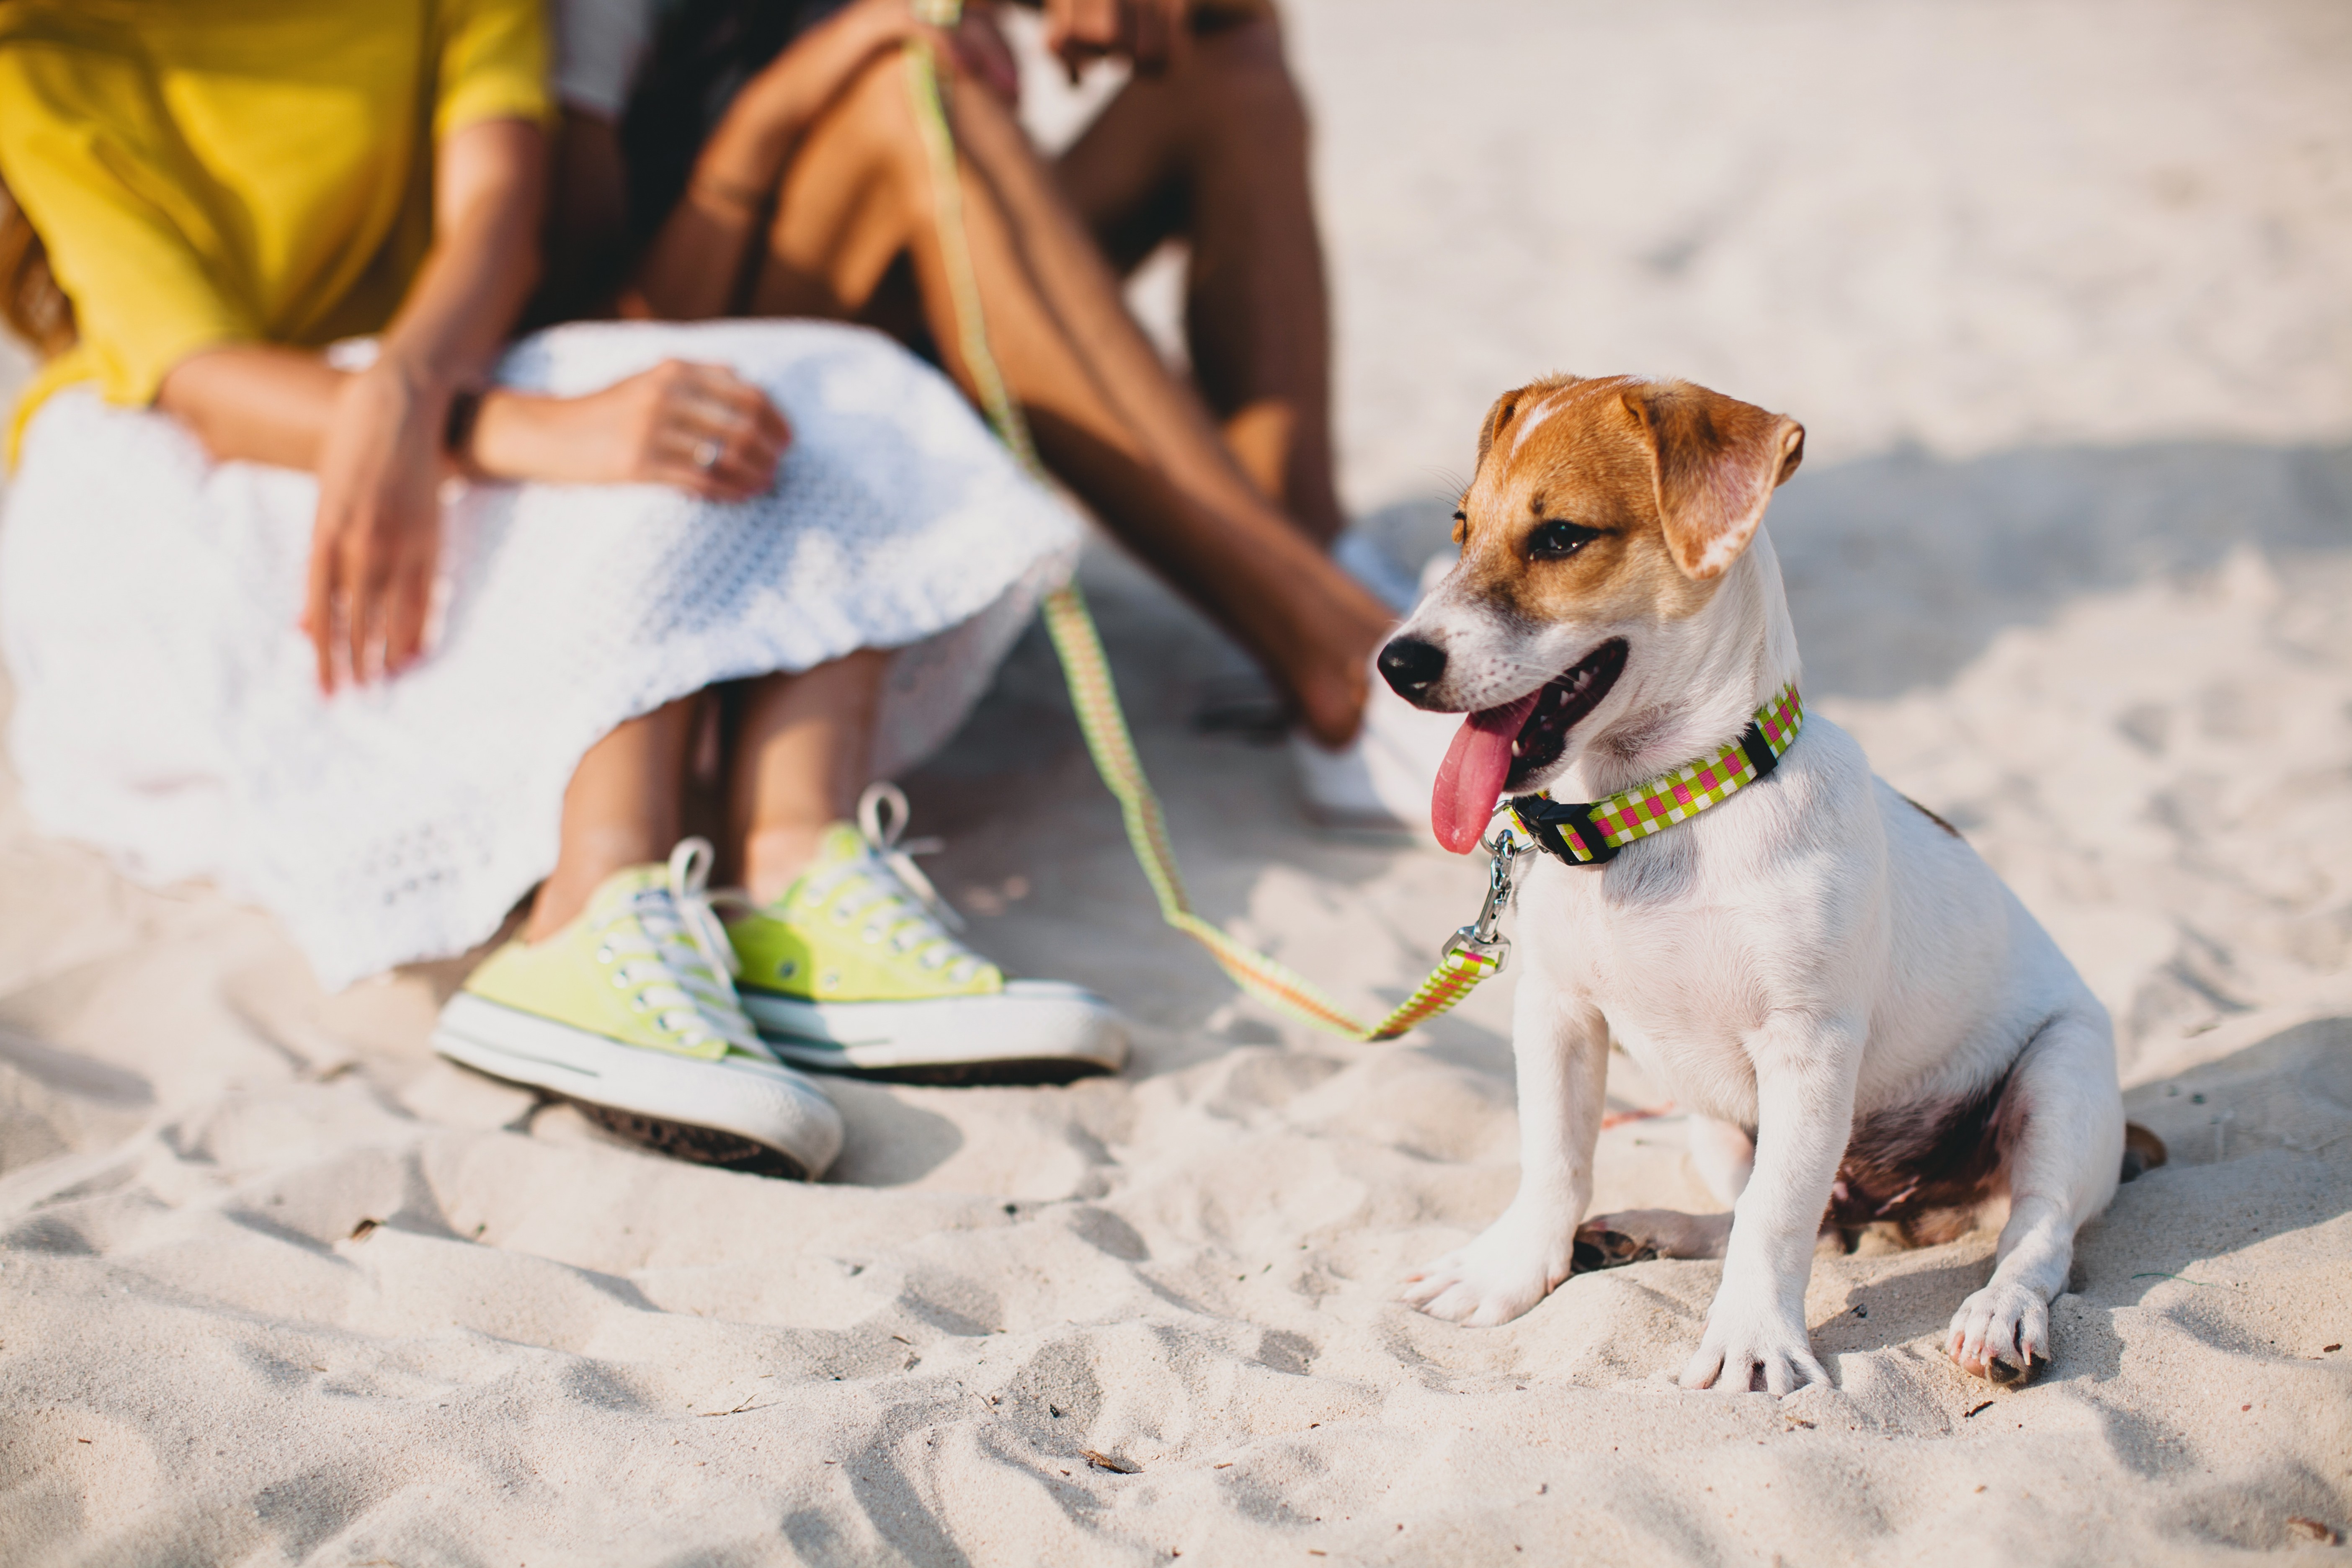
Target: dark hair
(704, 53)
(32, 305)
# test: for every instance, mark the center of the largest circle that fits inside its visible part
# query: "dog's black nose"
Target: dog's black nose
(1409, 665)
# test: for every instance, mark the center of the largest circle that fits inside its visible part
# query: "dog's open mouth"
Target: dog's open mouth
(1502, 748)
(1543, 735)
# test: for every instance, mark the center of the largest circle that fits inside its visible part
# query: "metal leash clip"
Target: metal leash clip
(1482, 939)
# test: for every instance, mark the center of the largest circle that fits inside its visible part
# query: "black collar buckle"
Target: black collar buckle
(1543, 820)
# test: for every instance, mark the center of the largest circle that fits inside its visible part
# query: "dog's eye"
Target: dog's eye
(1558, 541)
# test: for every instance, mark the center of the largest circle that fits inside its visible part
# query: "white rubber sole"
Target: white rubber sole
(1034, 1031)
(757, 1102)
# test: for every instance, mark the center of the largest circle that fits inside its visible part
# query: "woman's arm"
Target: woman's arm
(274, 404)
(376, 438)
(696, 261)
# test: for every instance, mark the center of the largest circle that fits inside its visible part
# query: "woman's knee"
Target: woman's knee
(871, 121)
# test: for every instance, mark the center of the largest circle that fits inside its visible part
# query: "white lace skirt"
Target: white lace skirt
(166, 708)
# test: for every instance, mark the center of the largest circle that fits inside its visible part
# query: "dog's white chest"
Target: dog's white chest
(1676, 983)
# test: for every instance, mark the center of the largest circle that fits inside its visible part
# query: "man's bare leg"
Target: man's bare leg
(621, 809)
(1111, 420)
(801, 760)
(1215, 151)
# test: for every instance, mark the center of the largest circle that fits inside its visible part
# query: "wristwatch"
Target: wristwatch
(464, 407)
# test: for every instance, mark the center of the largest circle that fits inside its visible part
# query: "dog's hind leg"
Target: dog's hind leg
(1563, 1060)
(1725, 1156)
(2062, 1132)
(1636, 1235)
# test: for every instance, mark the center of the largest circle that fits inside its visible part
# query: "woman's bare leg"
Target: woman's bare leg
(801, 759)
(1214, 151)
(1111, 420)
(621, 809)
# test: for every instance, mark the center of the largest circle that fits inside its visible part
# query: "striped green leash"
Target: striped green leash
(1470, 955)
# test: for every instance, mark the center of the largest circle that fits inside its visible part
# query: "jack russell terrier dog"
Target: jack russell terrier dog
(1865, 1026)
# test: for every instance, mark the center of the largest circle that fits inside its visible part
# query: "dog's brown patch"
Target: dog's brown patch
(1931, 816)
(1669, 478)
(2143, 1151)
(1923, 1169)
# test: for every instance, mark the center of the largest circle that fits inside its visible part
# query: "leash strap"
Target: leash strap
(1473, 952)
(1589, 833)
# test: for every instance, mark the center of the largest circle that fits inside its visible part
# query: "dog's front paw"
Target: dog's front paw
(1747, 1348)
(1496, 1278)
(1999, 1332)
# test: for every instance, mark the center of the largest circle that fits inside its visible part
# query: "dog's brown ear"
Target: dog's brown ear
(1717, 462)
(1510, 404)
(1501, 410)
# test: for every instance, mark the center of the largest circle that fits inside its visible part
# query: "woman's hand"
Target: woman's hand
(700, 427)
(377, 533)
(809, 73)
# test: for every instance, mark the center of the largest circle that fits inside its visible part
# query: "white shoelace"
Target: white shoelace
(665, 946)
(884, 885)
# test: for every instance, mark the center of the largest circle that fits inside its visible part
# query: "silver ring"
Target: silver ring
(705, 454)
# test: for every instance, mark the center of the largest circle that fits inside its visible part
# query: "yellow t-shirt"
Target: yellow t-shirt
(240, 170)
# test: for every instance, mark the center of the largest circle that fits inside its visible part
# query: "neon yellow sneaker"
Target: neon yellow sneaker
(854, 970)
(628, 1011)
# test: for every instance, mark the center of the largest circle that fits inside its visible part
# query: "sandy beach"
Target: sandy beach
(2059, 294)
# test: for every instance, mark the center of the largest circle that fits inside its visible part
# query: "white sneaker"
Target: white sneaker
(1359, 555)
(854, 970)
(1381, 781)
(629, 1013)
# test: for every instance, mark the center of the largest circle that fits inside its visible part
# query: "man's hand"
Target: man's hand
(981, 49)
(377, 533)
(1152, 34)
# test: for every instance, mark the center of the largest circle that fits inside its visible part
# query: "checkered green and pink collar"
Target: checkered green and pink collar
(1592, 833)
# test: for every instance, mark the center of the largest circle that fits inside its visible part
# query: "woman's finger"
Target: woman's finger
(744, 429)
(730, 429)
(728, 476)
(695, 480)
(727, 404)
(721, 384)
(765, 415)
(411, 604)
(367, 578)
(728, 443)
(319, 604)
(772, 421)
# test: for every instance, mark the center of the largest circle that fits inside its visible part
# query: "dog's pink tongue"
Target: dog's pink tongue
(1471, 776)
